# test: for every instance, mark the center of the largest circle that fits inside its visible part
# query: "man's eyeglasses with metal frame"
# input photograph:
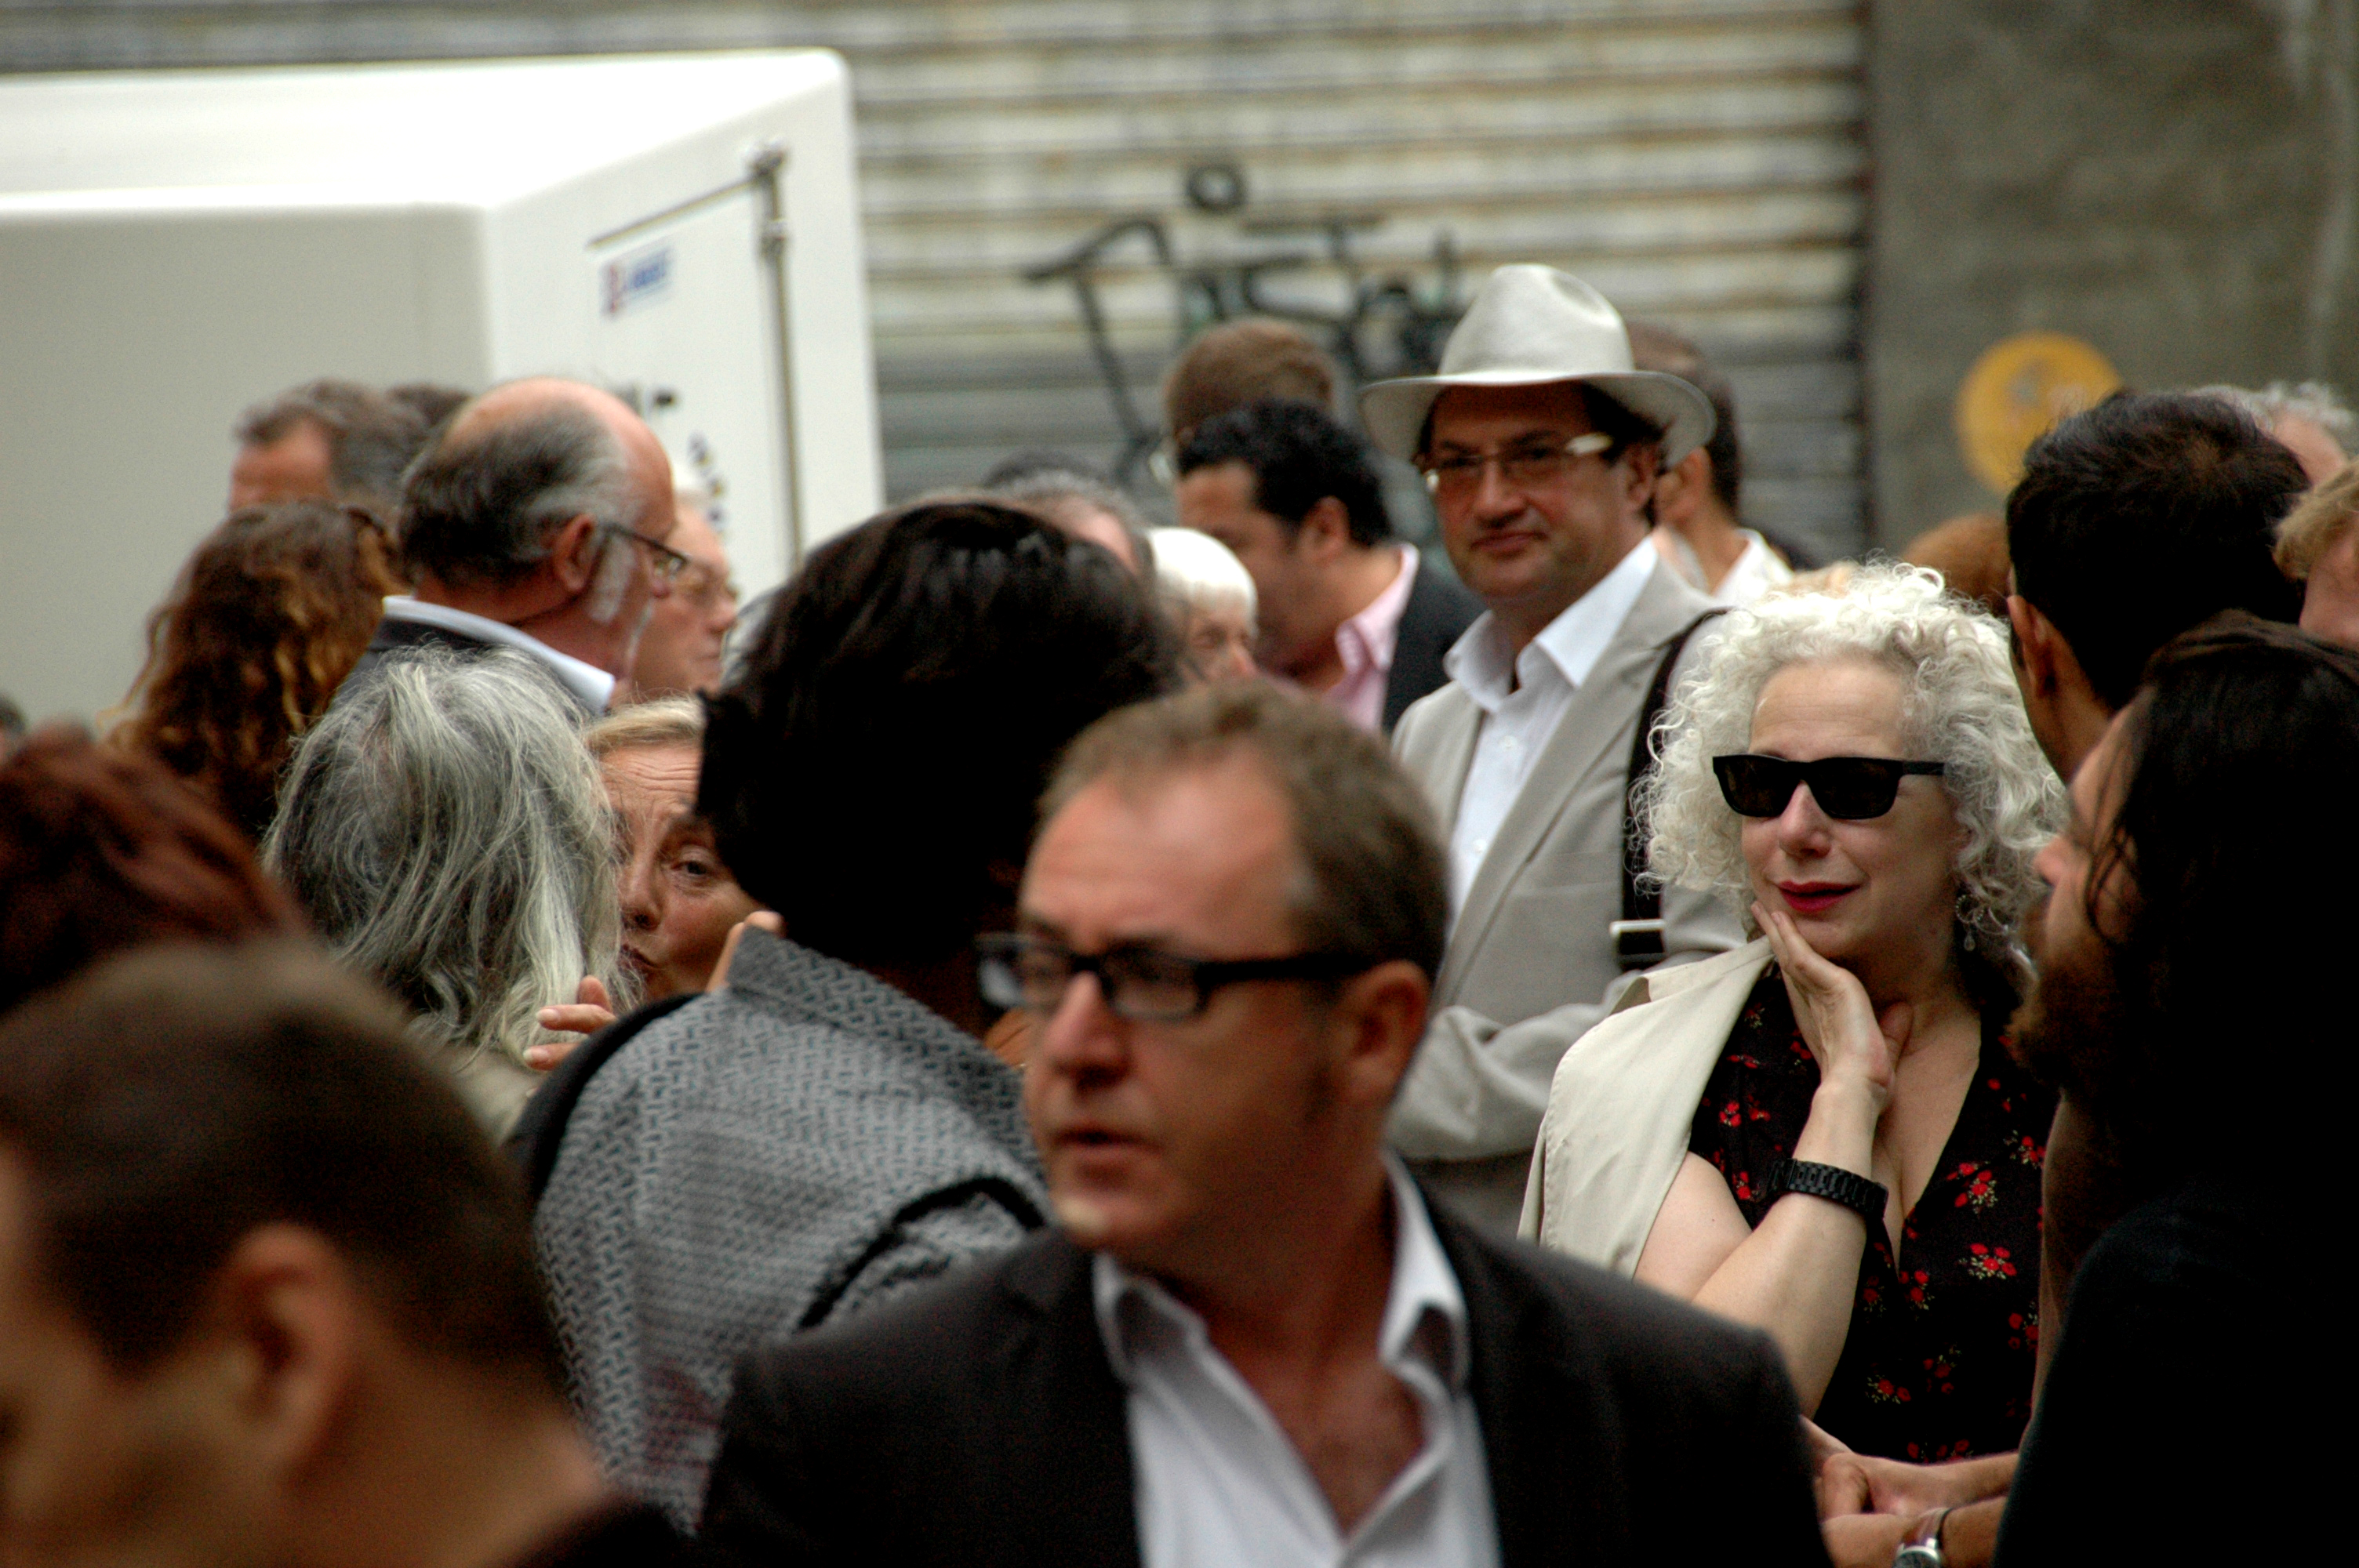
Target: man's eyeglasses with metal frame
(1138, 983)
(664, 563)
(1520, 468)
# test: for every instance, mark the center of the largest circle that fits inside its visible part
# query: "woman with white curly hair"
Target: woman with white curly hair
(1823, 1133)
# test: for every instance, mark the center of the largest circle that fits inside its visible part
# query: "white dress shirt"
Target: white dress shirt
(1755, 571)
(1522, 703)
(586, 681)
(1219, 1484)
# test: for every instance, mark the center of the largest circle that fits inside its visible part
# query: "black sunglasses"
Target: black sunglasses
(1846, 788)
(1139, 983)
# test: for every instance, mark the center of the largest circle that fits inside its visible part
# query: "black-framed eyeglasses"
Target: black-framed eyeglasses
(664, 563)
(1846, 788)
(1531, 467)
(1139, 983)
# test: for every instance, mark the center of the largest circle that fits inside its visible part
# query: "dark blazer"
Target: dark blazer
(979, 1423)
(394, 637)
(1438, 612)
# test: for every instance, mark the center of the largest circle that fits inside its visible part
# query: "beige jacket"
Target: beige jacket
(1623, 1105)
(1532, 937)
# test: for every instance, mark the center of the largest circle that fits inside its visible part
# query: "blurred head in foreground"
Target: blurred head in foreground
(265, 1294)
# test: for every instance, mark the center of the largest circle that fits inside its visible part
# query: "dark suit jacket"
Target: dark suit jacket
(979, 1423)
(1438, 612)
(394, 637)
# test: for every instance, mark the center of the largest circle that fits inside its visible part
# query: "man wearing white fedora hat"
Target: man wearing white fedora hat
(1541, 444)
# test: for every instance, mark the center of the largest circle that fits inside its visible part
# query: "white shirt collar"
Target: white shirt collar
(586, 681)
(1425, 1312)
(1572, 642)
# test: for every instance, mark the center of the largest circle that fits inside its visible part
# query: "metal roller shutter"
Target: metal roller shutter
(1701, 161)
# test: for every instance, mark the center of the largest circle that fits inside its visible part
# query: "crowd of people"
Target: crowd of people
(1065, 1040)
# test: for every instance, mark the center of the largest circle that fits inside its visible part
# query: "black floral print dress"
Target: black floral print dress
(1938, 1362)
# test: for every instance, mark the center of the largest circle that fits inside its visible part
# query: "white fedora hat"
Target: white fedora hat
(1530, 324)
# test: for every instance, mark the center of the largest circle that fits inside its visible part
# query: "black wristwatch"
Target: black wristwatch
(1857, 1194)
(1925, 1551)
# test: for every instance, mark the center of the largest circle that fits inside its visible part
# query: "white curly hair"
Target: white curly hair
(1961, 707)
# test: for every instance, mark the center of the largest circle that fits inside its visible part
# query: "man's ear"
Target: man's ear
(1383, 1016)
(1325, 532)
(2036, 646)
(574, 553)
(287, 1319)
(1679, 489)
(1640, 466)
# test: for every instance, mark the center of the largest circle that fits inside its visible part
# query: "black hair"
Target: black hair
(879, 756)
(2238, 759)
(1299, 456)
(171, 1100)
(2147, 515)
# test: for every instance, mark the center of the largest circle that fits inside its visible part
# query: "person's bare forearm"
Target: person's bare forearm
(1796, 1274)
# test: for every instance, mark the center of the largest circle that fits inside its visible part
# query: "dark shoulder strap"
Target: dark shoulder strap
(1638, 934)
(533, 1144)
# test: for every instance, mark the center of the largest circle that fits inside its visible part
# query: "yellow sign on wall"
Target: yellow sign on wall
(2019, 387)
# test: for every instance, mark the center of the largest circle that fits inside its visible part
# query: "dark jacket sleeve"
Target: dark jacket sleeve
(757, 1506)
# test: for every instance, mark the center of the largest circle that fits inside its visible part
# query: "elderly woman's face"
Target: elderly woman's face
(1860, 891)
(678, 900)
(1219, 640)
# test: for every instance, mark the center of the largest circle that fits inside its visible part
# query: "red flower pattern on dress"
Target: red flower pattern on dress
(1982, 1187)
(2031, 1152)
(1988, 1262)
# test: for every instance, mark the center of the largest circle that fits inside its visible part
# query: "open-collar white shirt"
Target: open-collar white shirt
(586, 681)
(1523, 700)
(1217, 1483)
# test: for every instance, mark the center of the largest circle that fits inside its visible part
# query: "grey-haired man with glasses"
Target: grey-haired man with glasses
(1250, 1339)
(538, 519)
(1540, 445)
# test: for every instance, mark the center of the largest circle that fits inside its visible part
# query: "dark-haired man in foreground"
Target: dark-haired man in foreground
(2134, 522)
(1252, 1339)
(2196, 1351)
(266, 1297)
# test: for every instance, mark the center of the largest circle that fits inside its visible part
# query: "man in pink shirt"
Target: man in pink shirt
(1347, 610)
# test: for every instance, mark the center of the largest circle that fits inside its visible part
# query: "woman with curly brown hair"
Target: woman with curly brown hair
(268, 616)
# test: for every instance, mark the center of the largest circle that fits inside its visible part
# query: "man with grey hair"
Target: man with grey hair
(325, 440)
(2308, 420)
(535, 521)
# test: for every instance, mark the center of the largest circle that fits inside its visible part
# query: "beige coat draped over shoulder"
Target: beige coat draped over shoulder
(1623, 1103)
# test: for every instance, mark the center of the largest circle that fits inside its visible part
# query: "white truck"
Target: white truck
(178, 245)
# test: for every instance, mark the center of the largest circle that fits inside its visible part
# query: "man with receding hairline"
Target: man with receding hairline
(538, 519)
